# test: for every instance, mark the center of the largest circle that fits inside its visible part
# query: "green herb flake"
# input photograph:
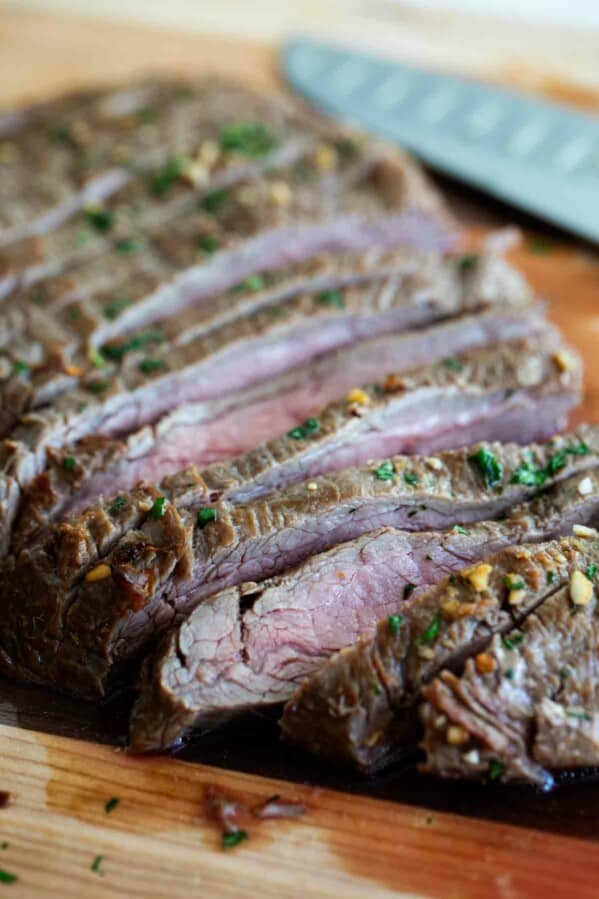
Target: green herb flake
(97, 386)
(331, 298)
(165, 177)
(111, 805)
(556, 462)
(458, 529)
(69, 463)
(95, 866)
(564, 672)
(99, 218)
(496, 769)
(453, 364)
(128, 246)
(376, 689)
(213, 201)
(591, 571)
(302, 432)
(205, 516)
(467, 261)
(157, 510)
(529, 475)
(208, 244)
(149, 366)
(385, 471)
(395, 622)
(551, 577)
(579, 449)
(510, 673)
(253, 283)
(117, 505)
(146, 115)
(230, 840)
(112, 310)
(6, 876)
(410, 478)
(248, 138)
(116, 351)
(408, 590)
(431, 633)
(580, 714)
(96, 359)
(20, 368)
(514, 641)
(514, 583)
(489, 467)
(61, 134)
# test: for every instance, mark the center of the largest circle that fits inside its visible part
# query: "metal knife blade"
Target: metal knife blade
(539, 156)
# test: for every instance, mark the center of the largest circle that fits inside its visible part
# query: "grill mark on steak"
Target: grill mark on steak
(532, 706)
(359, 708)
(431, 407)
(229, 659)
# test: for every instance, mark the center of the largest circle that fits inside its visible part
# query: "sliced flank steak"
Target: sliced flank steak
(529, 703)
(485, 394)
(360, 708)
(249, 647)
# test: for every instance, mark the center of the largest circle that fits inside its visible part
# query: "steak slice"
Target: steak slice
(249, 647)
(529, 703)
(478, 396)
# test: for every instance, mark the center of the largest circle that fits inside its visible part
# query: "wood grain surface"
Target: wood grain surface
(158, 842)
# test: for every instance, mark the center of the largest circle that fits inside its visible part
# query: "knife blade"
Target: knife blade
(539, 156)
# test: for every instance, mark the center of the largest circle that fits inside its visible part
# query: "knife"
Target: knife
(539, 156)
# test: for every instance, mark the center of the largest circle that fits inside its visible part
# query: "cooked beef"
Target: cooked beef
(480, 395)
(360, 707)
(529, 702)
(249, 647)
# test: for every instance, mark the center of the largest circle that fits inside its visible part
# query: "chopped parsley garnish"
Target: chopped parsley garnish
(591, 571)
(529, 475)
(496, 769)
(148, 366)
(408, 590)
(514, 641)
(410, 478)
(458, 529)
(248, 138)
(489, 467)
(69, 463)
(395, 622)
(205, 516)
(509, 673)
(213, 201)
(331, 298)
(551, 577)
(20, 368)
(61, 134)
(208, 244)
(564, 672)
(253, 283)
(111, 805)
(302, 432)
(453, 364)
(579, 449)
(467, 261)
(97, 386)
(376, 689)
(165, 177)
(230, 840)
(116, 351)
(578, 713)
(514, 583)
(157, 510)
(96, 359)
(556, 462)
(95, 866)
(6, 876)
(385, 471)
(117, 505)
(431, 633)
(114, 309)
(127, 246)
(101, 219)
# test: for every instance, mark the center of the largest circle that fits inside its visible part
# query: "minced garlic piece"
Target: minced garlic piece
(564, 360)
(312, 486)
(585, 487)
(485, 663)
(196, 173)
(472, 757)
(456, 736)
(325, 157)
(280, 193)
(451, 608)
(479, 576)
(434, 463)
(515, 597)
(581, 589)
(99, 573)
(209, 152)
(357, 395)
(581, 530)
(426, 652)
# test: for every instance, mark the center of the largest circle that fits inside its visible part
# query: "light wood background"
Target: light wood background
(158, 841)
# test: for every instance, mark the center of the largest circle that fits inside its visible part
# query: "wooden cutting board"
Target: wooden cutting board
(401, 835)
